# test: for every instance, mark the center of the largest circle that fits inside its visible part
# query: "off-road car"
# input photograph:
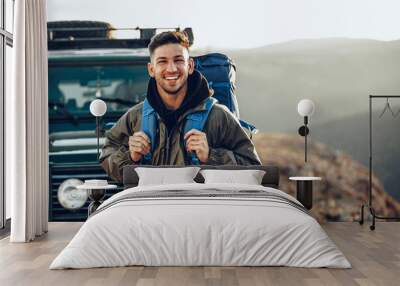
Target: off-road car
(86, 63)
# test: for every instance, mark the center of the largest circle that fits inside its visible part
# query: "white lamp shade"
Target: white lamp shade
(305, 107)
(98, 107)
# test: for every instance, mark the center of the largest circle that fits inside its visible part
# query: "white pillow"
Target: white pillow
(163, 176)
(249, 177)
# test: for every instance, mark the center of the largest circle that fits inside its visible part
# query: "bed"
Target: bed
(201, 224)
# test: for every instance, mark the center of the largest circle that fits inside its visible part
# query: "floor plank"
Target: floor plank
(374, 255)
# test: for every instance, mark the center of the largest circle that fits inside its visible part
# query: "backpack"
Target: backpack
(220, 73)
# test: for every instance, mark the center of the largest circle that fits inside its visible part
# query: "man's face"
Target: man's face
(170, 66)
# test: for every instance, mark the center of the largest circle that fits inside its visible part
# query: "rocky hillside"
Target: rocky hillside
(344, 185)
(340, 134)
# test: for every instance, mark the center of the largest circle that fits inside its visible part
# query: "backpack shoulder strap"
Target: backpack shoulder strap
(197, 120)
(149, 127)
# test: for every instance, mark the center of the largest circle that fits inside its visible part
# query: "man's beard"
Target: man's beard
(172, 92)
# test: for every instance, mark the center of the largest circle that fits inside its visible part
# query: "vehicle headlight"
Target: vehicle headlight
(69, 196)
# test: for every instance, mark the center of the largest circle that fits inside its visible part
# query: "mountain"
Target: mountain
(337, 74)
(344, 185)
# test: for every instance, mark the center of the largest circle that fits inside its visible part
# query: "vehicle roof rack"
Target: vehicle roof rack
(67, 35)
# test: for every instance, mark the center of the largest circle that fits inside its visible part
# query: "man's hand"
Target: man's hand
(139, 145)
(197, 142)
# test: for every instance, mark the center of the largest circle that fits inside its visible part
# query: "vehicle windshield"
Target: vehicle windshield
(73, 88)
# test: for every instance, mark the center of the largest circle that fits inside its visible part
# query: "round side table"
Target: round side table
(305, 190)
(96, 194)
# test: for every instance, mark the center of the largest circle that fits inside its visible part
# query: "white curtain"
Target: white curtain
(27, 124)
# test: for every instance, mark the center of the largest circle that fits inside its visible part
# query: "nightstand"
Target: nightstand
(305, 190)
(96, 190)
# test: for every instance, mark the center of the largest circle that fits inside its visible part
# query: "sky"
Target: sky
(228, 24)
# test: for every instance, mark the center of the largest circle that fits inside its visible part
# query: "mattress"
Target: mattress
(201, 225)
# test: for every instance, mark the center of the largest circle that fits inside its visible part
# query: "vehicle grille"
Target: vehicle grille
(61, 172)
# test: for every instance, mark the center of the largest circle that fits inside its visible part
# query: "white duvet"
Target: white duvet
(183, 231)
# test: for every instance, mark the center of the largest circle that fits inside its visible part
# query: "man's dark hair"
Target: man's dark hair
(169, 37)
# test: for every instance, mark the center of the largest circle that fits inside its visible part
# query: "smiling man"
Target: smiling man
(175, 92)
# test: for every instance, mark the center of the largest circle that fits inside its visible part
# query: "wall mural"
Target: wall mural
(337, 73)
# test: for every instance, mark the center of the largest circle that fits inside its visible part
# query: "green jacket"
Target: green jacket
(228, 142)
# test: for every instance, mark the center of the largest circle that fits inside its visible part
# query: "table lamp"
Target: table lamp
(305, 108)
(98, 108)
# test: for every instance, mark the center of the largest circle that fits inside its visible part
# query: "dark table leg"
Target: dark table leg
(304, 193)
(96, 195)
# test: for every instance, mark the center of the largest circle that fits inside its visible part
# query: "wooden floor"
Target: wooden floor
(375, 256)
